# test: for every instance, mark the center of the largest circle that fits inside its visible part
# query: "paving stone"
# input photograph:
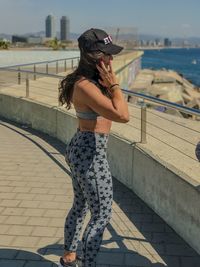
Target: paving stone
(56, 222)
(7, 195)
(9, 263)
(25, 196)
(34, 212)
(180, 249)
(190, 261)
(49, 205)
(9, 203)
(6, 240)
(13, 211)
(38, 264)
(169, 261)
(21, 189)
(166, 238)
(3, 218)
(55, 213)
(4, 229)
(25, 241)
(6, 189)
(24, 255)
(38, 221)
(20, 230)
(48, 241)
(44, 231)
(153, 227)
(107, 258)
(44, 197)
(7, 253)
(135, 259)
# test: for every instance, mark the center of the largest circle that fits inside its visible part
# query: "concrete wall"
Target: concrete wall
(126, 67)
(175, 199)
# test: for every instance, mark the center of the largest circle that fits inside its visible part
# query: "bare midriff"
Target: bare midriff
(100, 125)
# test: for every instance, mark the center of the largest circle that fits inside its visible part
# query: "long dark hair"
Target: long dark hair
(86, 69)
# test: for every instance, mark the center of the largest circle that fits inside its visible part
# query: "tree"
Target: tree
(55, 44)
(4, 44)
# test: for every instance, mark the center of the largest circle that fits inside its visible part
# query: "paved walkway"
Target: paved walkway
(36, 193)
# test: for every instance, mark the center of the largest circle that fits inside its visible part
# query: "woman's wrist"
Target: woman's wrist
(113, 86)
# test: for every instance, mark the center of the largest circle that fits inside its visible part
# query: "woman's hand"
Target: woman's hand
(108, 77)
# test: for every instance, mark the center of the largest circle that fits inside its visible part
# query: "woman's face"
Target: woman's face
(106, 59)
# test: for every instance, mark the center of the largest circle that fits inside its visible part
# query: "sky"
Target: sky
(167, 18)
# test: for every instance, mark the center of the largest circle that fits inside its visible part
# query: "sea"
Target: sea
(185, 61)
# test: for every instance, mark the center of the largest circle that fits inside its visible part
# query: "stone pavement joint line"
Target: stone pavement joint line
(36, 194)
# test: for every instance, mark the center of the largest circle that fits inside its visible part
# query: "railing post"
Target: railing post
(143, 123)
(47, 68)
(72, 63)
(65, 65)
(34, 69)
(57, 67)
(19, 76)
(27, 86)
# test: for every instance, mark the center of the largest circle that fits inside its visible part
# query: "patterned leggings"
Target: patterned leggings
(92, 185)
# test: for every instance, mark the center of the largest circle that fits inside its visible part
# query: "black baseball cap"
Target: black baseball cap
(98, 40)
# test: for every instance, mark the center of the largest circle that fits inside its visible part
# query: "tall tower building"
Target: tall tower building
(64, 28)
(50, 26)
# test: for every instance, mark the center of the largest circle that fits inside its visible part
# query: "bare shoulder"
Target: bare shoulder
(86, 88)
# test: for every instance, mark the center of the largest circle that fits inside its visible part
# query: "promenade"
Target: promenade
(36, 194)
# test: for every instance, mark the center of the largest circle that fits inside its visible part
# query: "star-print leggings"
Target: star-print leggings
(92, 185)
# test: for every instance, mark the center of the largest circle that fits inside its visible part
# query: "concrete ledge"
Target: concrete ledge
(175, 199)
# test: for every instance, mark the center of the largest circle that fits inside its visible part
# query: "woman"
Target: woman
(98, 100)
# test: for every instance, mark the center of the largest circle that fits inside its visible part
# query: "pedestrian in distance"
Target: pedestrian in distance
(95, 93)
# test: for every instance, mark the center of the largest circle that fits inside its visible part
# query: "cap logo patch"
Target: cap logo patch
(107, 40)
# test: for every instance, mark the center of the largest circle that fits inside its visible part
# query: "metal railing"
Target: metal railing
(73, 63)
(165, 103)
(144, 99)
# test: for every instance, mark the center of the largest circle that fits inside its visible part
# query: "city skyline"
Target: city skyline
(173, 18)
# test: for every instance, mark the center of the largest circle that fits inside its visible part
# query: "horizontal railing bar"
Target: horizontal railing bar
(184, 109)
(166, 103)
(32, 72)
(39, 62)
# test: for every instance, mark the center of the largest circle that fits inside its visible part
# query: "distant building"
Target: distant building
(27, 39)
(64, 29)
(34, 40)
(167, 42)
(19, 39)
(142, 42)
(158, 42)
(50, 27)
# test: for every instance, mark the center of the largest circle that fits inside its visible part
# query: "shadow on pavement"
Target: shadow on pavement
(22, 258)
(108, 257)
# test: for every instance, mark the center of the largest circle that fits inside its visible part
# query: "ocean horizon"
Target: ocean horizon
(185, 61)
